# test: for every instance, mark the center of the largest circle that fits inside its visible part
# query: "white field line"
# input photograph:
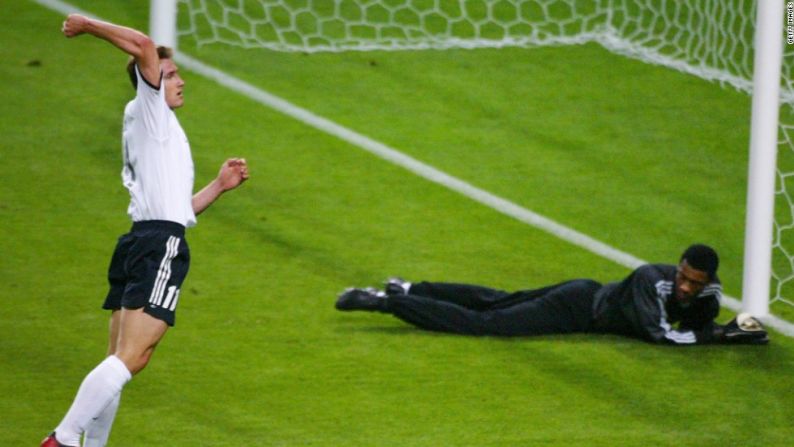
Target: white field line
(421, 169)
(64, 8)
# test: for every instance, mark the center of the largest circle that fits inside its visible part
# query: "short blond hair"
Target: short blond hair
(162, 53)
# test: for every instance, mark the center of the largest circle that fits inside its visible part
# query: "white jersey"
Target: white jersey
(158, 167)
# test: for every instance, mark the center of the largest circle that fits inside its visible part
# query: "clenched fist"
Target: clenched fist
(74, 25)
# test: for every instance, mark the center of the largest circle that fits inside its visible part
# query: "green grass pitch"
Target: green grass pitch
(646, 159)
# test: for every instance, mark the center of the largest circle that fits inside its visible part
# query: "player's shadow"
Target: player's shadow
(380, 329)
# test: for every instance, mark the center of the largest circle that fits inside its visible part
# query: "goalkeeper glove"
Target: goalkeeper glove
(744, 329)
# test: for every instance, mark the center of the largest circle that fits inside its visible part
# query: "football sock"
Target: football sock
(97, 433)
(99, 388)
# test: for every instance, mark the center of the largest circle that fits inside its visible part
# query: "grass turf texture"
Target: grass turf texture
(641, 157)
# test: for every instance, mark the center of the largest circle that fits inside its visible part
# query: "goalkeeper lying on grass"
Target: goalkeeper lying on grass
(644, 305)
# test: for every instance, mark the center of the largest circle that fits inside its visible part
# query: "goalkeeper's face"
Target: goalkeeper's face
(689, 282)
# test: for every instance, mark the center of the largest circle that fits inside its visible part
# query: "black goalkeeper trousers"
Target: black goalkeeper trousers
(475, 310)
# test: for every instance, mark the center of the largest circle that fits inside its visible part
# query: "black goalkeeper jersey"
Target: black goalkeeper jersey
(644, 305)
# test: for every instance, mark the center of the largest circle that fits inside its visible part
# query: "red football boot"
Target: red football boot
(50, 441)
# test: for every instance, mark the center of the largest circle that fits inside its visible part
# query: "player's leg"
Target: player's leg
(71, 428)
(476, 297)
(139, 334)
(134, 336)
(562, 308)
(465, 295)
(148, 307)
(113, 331)
(435, 315)
(99, 388)
(98, 432)
(471, 297)
(147, 291)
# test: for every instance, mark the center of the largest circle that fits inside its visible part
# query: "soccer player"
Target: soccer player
(151, 261)
(645, 305)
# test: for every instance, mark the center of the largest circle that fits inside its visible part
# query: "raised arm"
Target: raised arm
(132, 42)
(233, 173)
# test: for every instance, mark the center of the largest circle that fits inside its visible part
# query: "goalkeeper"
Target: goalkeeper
(645, 305)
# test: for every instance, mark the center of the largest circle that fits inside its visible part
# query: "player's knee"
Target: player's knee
(135, 361)
(143, 360)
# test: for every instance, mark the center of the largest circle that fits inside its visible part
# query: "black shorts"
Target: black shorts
(147, 269)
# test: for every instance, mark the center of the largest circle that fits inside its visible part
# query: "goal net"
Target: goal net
(783, 242)
(711, 39)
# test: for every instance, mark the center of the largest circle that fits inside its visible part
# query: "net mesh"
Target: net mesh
(783, 242)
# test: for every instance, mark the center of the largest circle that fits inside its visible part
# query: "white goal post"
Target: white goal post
(162, 22)
(707, 38)
(763, 157)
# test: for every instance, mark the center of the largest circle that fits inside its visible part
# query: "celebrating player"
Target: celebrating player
(151, 261)
(643, 305)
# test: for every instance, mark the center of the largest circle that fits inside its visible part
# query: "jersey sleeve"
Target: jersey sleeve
(648, 306)
(152, 106)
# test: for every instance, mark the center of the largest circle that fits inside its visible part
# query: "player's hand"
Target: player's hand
(74, 25)
(234, 172)
(745, 329)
